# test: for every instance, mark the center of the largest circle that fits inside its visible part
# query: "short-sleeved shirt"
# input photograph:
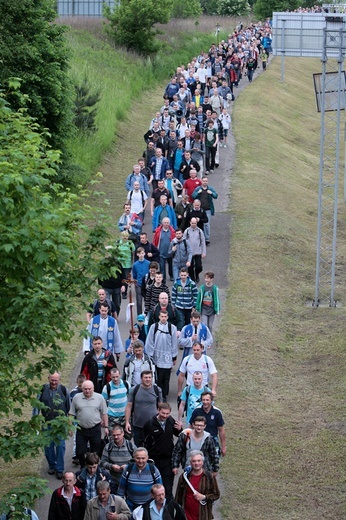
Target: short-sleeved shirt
(210, 136)
(88, 412)
(214, 419)
(157, 194)
(145, 405)
(193, 399)
(204, 364)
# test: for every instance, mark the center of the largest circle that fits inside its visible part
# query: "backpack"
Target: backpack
(130, 196)
(187, 389)
(127, 386)
(156, 328)
(188, 359)
(96, 301)
(131, 465)
(129, 447)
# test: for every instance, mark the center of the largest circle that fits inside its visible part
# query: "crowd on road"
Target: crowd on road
(128, 446)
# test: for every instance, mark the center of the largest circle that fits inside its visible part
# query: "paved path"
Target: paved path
(217, 260)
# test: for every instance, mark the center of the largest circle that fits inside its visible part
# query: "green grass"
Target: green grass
(122, 78)
(284, 382)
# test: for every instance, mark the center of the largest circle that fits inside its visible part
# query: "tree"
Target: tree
(233, 7)
(131, 23)
(48, 257)
(85, 110)
(186, 9)
(34, 49)
(265, 8)
(209, 6)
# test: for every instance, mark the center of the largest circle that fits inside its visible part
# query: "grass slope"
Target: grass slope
(284, 386)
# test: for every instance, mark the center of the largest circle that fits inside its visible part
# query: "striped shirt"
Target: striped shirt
(117, 399)
(137, 484)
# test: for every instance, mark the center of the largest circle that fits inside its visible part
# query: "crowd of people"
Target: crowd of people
(127, 444)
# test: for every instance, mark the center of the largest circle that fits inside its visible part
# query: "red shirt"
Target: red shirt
(190, 185)
(191, 507)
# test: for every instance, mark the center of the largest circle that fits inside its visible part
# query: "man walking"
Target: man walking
(195, 236)
(215, 424)
(159, 432)
(90, 411)
(197, 496)
(105, 327)
(184, 295)
(195, 331)
(68, 502)
(181, 253)
(97, 364)
(198, 361)
(116, 455)
(191, 398)
(56, 398)
(106, 506)
(115, 394)
(137, 479)
(142, 403)
(161, 347)
(158, 505)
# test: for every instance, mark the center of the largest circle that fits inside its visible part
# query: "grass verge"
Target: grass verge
(283, 382)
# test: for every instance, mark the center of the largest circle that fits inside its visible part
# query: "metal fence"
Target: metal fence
(83, 7)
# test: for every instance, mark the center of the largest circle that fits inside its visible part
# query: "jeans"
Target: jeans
(208, 320)
(176, 270)
(183, 317)
(206, 227)
(210, 153)
(163, 262)
(55, 453)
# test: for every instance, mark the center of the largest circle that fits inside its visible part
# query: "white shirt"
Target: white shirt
(204, 364)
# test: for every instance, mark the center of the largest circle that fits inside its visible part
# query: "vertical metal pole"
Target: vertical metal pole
(283, 51)
(337, 162)
(345, 163)
(320, 182)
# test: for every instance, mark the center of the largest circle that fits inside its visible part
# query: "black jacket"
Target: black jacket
(172, 511)
(157, 441)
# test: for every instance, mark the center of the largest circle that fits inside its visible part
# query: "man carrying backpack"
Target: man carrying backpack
(159, 432)
(161, 347)
(116, 455)
(181, 252)
(137, 479)
(142, 402)
(56, 398)
(191, 398)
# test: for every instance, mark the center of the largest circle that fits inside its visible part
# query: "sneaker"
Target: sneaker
(59, 475)
(225, 145)
(51, 471)
(206, 172)
(211, 171)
